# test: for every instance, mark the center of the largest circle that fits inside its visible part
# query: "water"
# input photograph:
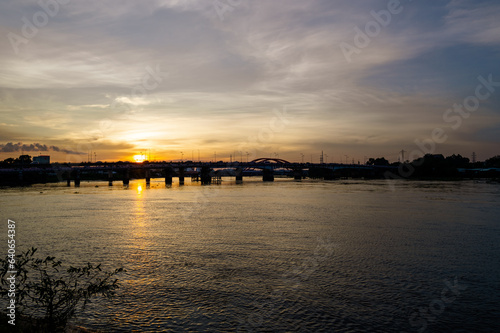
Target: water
(314, 256)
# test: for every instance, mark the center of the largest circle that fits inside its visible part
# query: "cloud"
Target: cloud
(33, 147)
(85, 67)
(473, 23)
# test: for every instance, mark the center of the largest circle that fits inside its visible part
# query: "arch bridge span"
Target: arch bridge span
(264, 160)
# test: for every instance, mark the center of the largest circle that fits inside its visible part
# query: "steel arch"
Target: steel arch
(264, 159)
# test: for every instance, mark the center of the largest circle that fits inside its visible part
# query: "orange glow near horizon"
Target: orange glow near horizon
(139, 158)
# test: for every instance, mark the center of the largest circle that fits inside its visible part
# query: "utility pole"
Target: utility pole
(474, 157)
(302, 156)
(346, 157)
(403, 155)
(321, 158)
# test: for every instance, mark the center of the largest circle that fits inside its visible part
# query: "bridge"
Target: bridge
(206, 172)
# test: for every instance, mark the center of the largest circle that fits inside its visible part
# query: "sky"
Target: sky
(241, 79)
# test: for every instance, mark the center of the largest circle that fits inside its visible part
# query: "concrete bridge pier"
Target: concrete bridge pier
(110, 178)
(268, 175)
(297, 174)
(239, 175)
(181, 175)
(168, 176)
(148, 177)
(126, 177)
(217, 177)
(67, 175)
(77, 178)
(205, 176)
(328, 174)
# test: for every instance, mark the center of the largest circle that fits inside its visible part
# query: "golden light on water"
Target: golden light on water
(139, 189)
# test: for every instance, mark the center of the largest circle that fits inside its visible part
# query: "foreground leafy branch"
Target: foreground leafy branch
(49, 294)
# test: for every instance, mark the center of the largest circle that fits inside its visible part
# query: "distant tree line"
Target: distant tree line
(436, 165)
(21, 160)
(493, 162)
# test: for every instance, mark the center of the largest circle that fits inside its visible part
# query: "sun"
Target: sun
(139, 158)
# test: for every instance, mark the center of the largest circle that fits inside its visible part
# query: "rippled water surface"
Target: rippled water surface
(310, 256)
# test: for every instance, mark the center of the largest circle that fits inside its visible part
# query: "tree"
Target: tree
(457, 161)
(377, 161)
(493, 162)
(49, 294)
(24, 159)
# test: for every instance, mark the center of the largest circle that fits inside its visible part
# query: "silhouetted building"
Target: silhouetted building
(42, 159)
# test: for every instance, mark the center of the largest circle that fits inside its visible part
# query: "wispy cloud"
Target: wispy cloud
(477, 24)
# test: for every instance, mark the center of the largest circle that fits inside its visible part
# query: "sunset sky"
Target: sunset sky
(172, 78)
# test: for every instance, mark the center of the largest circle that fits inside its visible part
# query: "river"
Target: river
(283, 256)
